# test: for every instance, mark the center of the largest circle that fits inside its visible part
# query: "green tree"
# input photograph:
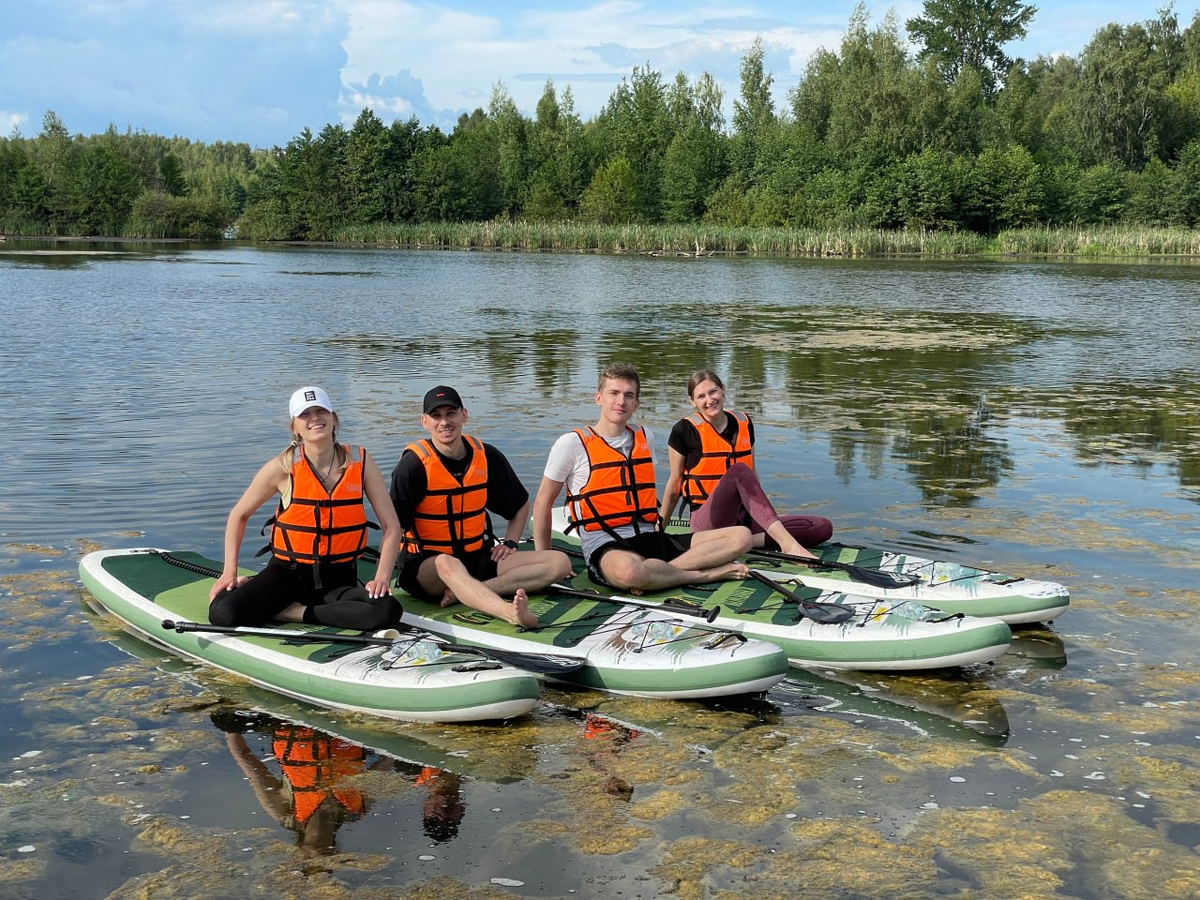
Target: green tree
(104, 188)
(695, 162)
(970, 34)
(753, 112)
(1123, 105)
(512, 158)
(368, 169)
(1185, 186)
(635, 125)
(171, 174)
(1004, 190)
(1152, 198)
(612, 197)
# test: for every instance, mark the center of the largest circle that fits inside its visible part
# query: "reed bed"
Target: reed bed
(709, 240)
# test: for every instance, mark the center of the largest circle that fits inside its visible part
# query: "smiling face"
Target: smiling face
(314, 424)
(618, 401)
(709, 399)
(445, 425)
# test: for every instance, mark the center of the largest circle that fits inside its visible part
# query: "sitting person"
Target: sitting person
(442, 490)
(608, 471)
(711, 454)
(319, 531)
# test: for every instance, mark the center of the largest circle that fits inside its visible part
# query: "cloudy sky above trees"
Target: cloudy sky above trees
(259, 71)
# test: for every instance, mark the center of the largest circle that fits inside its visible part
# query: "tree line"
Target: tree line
(953, 136)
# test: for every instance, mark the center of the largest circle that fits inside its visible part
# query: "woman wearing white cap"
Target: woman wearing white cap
(318, 533)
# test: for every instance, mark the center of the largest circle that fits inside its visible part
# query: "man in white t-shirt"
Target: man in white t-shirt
(608, 471)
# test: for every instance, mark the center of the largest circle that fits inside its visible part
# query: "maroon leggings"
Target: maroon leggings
(738, 499)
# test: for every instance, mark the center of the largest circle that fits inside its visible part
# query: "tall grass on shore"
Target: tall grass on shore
(707, 240)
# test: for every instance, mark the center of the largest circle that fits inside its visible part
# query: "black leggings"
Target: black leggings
(340, 602)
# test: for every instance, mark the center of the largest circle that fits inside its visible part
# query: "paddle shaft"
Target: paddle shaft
(708, 615)
(876, 577)
(543, 663)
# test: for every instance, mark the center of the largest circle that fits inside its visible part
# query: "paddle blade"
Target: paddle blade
(824, 613)
(552, 664)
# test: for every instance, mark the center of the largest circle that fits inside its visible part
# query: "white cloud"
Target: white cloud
(13, 120)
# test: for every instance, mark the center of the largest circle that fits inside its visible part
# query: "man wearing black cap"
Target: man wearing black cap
(443, 488)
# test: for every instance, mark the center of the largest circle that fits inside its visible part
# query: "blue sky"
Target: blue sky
(261, 70)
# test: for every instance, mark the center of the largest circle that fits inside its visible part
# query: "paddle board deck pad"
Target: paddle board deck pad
(632, 651)
(410, 680)
(948, 586)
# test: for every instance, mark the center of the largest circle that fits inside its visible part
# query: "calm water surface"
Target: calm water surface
(1039, 417)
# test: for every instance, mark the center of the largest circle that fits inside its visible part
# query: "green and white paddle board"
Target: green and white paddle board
(883, 634)
(410, 680)
(628, 650)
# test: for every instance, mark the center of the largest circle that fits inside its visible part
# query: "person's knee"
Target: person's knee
(388, 611)
(562, 566)
(448, 567)
(742, 538)
(740, 470)
(623, 571)
(220, 612)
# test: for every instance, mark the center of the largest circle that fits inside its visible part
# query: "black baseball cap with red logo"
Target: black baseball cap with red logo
(442, 396)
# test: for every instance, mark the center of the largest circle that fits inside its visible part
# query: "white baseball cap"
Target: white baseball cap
(306, 397)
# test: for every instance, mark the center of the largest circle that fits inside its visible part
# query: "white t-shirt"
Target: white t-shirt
(568, 463)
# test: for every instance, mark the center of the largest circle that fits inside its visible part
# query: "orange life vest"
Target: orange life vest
(313, 764)
(451, 517)
(620, 490)
(320, 525)
(716, 456)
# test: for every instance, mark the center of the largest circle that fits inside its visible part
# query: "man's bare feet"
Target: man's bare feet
(521, 613)
(448, 598)
(728, 572)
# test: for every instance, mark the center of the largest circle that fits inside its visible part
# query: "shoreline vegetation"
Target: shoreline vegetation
(1095, 242)
(877, 151)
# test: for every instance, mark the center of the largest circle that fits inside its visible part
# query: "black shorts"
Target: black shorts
(648, 545)
(479, 564)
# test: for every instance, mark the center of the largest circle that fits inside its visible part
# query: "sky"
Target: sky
(260, 71)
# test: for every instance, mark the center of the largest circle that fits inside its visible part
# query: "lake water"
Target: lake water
(1039, 417)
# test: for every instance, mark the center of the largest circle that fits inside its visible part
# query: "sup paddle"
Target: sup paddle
(538, 663)
(670, 604)
(824, 613)
(875, 577)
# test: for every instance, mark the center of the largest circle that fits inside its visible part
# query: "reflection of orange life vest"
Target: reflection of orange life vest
(619, 490)
(451, 517)
(319, 525)
(716, 456)
(313, 764)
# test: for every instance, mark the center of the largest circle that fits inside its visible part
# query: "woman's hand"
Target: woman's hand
(377, 588)
(226, 583)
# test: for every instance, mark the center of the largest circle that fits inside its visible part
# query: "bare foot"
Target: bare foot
(521, 612)
(728, 572)
(795, 548)
(448, 598)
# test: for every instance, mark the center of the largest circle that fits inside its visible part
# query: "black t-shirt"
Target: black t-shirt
(505, 493)
(685, 439)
